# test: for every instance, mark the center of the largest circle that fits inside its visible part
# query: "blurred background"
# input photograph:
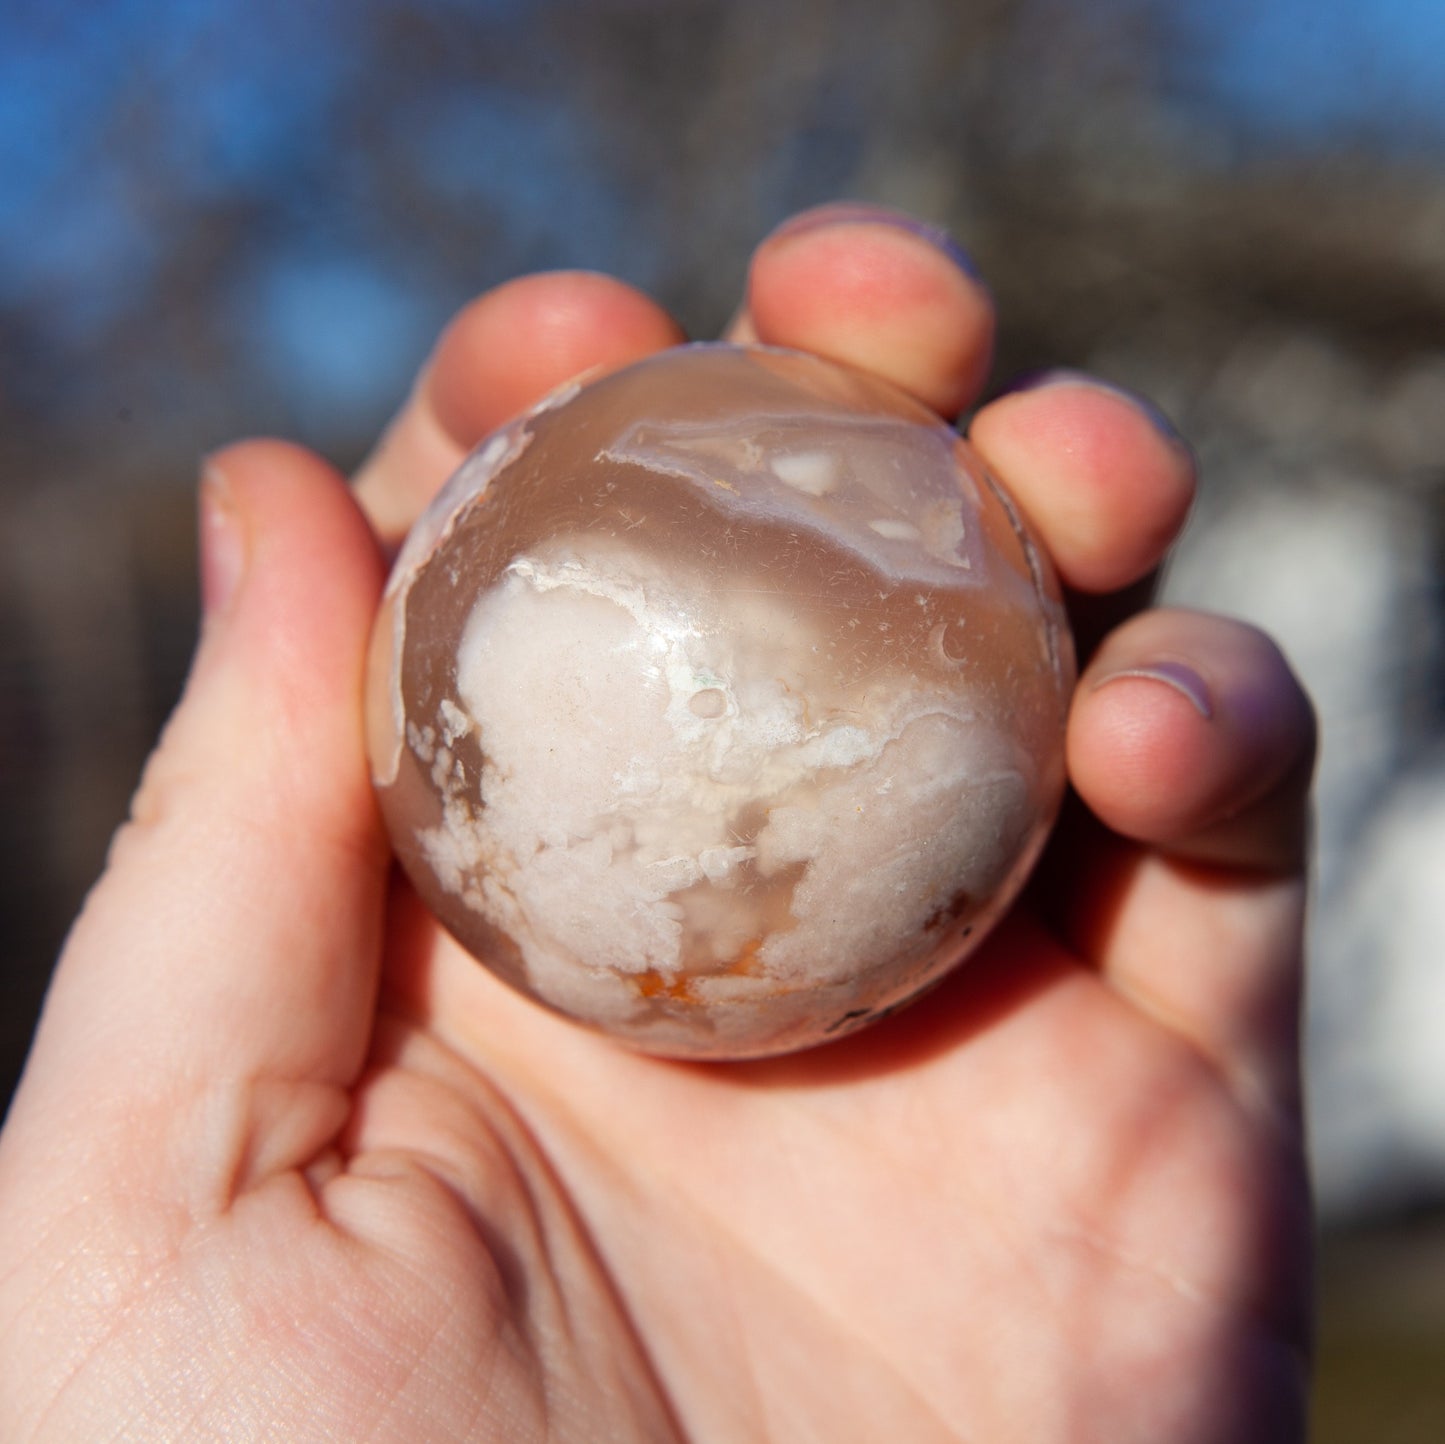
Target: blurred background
(223, 218)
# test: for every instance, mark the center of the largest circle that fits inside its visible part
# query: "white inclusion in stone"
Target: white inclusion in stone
(441, 769)
(719, 863)
(570, 706)
(814, 473)
(455, 722)
(943, 533)
(422, 741)
(895, 530)
(937, 812)
(609, 794)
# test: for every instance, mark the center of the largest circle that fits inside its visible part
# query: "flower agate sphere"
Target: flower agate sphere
(719, 704)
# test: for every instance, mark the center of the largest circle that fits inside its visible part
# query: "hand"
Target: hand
(286, 1164)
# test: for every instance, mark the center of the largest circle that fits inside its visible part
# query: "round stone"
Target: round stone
(719, 703)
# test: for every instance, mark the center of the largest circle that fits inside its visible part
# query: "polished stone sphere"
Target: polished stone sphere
(719, 703)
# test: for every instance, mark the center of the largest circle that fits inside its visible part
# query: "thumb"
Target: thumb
(234, 936)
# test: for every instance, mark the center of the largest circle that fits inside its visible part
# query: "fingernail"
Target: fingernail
(222, 542)
(1064, 376)
(1184, 680)
(846, 213)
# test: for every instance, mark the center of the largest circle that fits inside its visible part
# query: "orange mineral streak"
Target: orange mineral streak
(678, 988)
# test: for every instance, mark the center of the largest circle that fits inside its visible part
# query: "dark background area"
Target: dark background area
(222, 219)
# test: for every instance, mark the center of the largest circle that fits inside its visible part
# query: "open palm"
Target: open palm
(287, 1164)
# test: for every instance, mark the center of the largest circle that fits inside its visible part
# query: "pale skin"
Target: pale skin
(287, 1164)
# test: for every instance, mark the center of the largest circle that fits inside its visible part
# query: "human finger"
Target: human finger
(224, 966)
(500, 355)
(876, 289)
(1193, 744)
(1190, 733)
(1104, 479)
